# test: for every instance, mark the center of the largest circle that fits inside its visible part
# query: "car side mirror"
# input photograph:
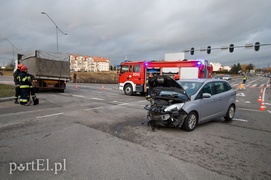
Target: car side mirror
(206, 95)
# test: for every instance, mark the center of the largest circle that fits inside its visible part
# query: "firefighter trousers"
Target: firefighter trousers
(24, 94)
(17, 91)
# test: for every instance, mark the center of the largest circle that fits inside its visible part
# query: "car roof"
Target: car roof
(202, 80)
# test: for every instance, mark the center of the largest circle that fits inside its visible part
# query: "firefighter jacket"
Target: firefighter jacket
(32, 77)
(16, 76)
(25, 80)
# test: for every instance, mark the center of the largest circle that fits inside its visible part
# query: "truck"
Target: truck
(133, 75)
(50, 69)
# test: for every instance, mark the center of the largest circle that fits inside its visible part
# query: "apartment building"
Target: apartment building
(88, 63)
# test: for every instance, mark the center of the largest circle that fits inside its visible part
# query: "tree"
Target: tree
(11, 65)
(234, 69)
(250, 67)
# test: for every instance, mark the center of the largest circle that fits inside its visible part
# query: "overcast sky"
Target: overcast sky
(138, 29)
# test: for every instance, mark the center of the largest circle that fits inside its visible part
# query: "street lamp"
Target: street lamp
(12, 47)
(57, 29)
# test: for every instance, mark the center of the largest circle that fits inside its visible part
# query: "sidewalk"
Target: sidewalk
(4, 99)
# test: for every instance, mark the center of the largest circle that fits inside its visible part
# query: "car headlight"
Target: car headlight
(174, 106)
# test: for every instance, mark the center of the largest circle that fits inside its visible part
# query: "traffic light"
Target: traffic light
(192, 51)
(231, 49)
(208, 49)
(257, 46)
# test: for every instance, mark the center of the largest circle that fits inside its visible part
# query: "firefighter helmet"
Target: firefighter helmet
(24, 68)
(19, 66)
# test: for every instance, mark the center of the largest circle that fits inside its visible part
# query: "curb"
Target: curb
(4, 99)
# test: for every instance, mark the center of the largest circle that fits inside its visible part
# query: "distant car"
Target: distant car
(217, 77)
(226, 77)
(187, 103)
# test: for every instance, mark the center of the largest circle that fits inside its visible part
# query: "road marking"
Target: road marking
(93, 108)
(49, 115)
(254, 85)
(269, 111)
(123, 104)
(98, 99)
(243, 120)
(78, 96)
(247, 102)
(249, 109)
(240, 94)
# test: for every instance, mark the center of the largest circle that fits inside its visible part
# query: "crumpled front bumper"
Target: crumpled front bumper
(170, 118)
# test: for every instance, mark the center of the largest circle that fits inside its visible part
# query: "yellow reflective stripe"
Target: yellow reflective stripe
(23, 100)
(26, 78)
(24, 86)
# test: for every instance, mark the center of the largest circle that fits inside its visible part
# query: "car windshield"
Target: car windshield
(171, 94)
(190, 87)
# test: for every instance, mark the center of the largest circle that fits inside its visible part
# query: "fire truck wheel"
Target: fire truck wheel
(128, 90)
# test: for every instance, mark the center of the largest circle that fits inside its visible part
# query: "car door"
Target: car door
(207, 109)
(222, 97)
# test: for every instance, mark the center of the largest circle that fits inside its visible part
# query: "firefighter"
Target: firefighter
(148, 86)
(16, 76)
(32, 94)
(25, 80)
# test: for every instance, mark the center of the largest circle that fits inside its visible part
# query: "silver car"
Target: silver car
(187, 103)
(226, 77)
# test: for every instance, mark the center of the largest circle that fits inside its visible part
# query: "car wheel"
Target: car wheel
(190, 121)
(128, 90)
(230, 113)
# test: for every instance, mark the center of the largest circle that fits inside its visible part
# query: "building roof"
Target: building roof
(95, 58)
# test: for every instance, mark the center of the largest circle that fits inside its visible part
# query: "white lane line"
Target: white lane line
(78, 96)
(243, 120)
(93, 108)
(123, 104)
(269, 111)
(98, 99)
(49, 115)
(249, 109)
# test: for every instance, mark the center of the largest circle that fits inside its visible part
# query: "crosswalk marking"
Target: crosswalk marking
(250, 85)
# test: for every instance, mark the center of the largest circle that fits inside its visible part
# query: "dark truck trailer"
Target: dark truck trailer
(51, 69)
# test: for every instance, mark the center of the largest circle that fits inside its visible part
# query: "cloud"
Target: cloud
(138, 29)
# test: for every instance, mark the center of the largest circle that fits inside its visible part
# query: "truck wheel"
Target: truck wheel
(230, 113)
(190, 121)
(128, 90)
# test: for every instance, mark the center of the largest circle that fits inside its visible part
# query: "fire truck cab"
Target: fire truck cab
(133, 75)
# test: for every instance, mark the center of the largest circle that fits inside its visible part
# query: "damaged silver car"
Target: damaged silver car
(187, 103)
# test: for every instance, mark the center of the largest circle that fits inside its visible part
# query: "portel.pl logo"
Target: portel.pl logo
(38, 165)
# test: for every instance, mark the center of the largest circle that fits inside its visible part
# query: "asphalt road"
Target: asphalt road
(94, 131)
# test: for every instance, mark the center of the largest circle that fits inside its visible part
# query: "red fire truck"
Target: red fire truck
(133, 75)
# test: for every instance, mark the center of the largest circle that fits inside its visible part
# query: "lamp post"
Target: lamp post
(11, 46)
(57, 29)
